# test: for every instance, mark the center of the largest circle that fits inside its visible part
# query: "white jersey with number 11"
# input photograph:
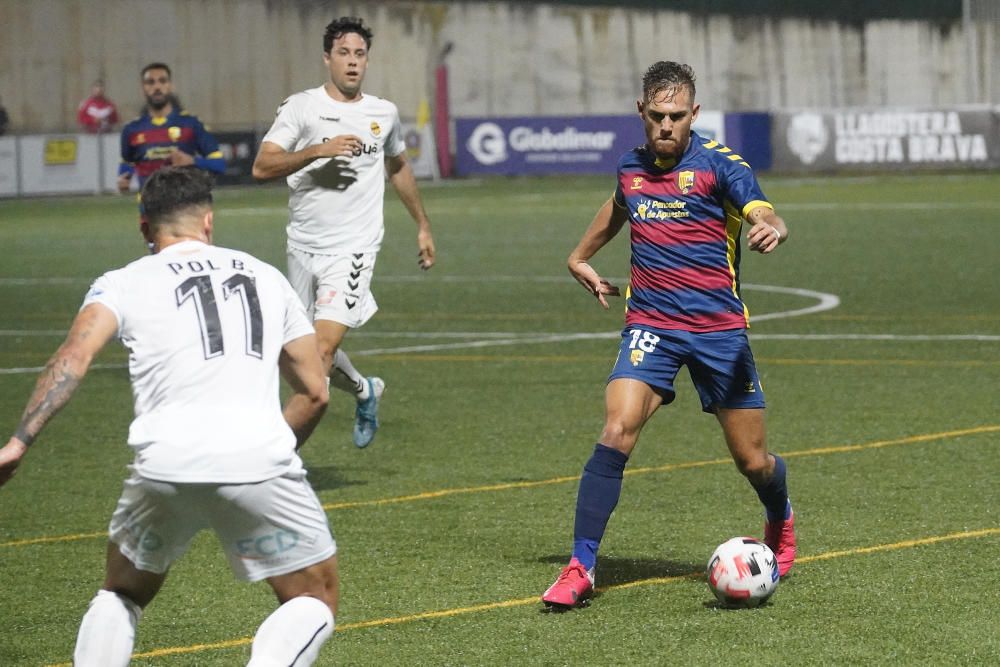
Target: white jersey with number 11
(204, 327)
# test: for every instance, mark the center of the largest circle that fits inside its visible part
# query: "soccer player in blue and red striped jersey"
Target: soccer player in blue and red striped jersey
(685, 200)
(164, 134)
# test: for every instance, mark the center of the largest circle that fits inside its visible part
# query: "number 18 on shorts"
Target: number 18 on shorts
(720, 362)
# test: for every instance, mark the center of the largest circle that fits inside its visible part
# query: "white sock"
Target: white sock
(346, 377)
(293, 635)
(107, 631)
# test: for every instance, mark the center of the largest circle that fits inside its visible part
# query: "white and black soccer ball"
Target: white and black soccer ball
(742, 572)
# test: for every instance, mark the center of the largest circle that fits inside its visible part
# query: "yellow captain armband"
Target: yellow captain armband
(750, 206)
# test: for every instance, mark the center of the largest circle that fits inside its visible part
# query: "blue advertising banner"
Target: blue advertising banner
(544, 144)
(749, 134)
(557, 144)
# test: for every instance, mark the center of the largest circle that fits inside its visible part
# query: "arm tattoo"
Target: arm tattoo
(54, 389)
(63, 373)
(23, 436)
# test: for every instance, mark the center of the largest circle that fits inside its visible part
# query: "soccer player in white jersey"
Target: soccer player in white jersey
(335, 145)
(207, 331)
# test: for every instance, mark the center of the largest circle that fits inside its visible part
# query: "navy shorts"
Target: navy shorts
(720, 362)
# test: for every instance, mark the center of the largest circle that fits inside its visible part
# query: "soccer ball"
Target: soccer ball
(742, 572)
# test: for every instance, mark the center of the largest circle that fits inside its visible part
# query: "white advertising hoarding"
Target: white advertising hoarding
(59, 164)
(421, 150)
(8, 167)
(110, 159)
(711, 125)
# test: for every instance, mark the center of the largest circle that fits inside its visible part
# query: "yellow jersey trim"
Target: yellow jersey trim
(754, 204)
(734, 222)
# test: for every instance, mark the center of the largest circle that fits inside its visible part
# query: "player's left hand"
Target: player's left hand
(179, 158)
(425, 249)
(10, 458)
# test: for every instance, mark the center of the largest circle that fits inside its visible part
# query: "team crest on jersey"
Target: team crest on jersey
(140, 138)
(637, 182)
(376, 129)
(636, 357)
(174, 133)
(685, 181)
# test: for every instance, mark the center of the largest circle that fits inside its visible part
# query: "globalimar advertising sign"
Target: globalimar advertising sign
(864, 139)
(544, 144)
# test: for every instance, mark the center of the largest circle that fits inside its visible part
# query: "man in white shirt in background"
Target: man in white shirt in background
(336, 145)
(207, 331)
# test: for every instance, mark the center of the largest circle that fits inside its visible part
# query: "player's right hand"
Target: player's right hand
(425, 249)
(343, 145)
(10, 458)
(124, 182)
(592, 282)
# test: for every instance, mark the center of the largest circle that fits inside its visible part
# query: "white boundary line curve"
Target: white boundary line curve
(481, 340)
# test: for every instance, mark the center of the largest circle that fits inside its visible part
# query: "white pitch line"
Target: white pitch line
(826, 301)
(891, 206)
(500, 339)
(894, 337)
(517, 339)
(411, 278)
(282, 211)
(496, 342)
(253, 210)
(416, 277)
(489, 338)
(18, 282)
(15, 333)
(39, 369)
(532, 339)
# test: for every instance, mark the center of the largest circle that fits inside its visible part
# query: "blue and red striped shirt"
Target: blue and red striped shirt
(146, 144)
(685, 218)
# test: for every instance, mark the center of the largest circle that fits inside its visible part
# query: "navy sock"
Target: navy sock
(774, 493)
(600, 487)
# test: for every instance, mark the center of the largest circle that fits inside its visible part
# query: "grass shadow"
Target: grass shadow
(613, 571)
(326, 478)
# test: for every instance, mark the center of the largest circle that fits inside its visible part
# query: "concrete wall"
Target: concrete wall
(235, 60)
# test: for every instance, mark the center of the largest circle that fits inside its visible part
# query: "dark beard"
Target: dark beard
(157, 106)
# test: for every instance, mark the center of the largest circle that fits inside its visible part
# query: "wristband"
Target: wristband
(22, 435)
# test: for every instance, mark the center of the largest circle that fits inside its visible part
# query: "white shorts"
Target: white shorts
(334, 287)
(266, 528)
